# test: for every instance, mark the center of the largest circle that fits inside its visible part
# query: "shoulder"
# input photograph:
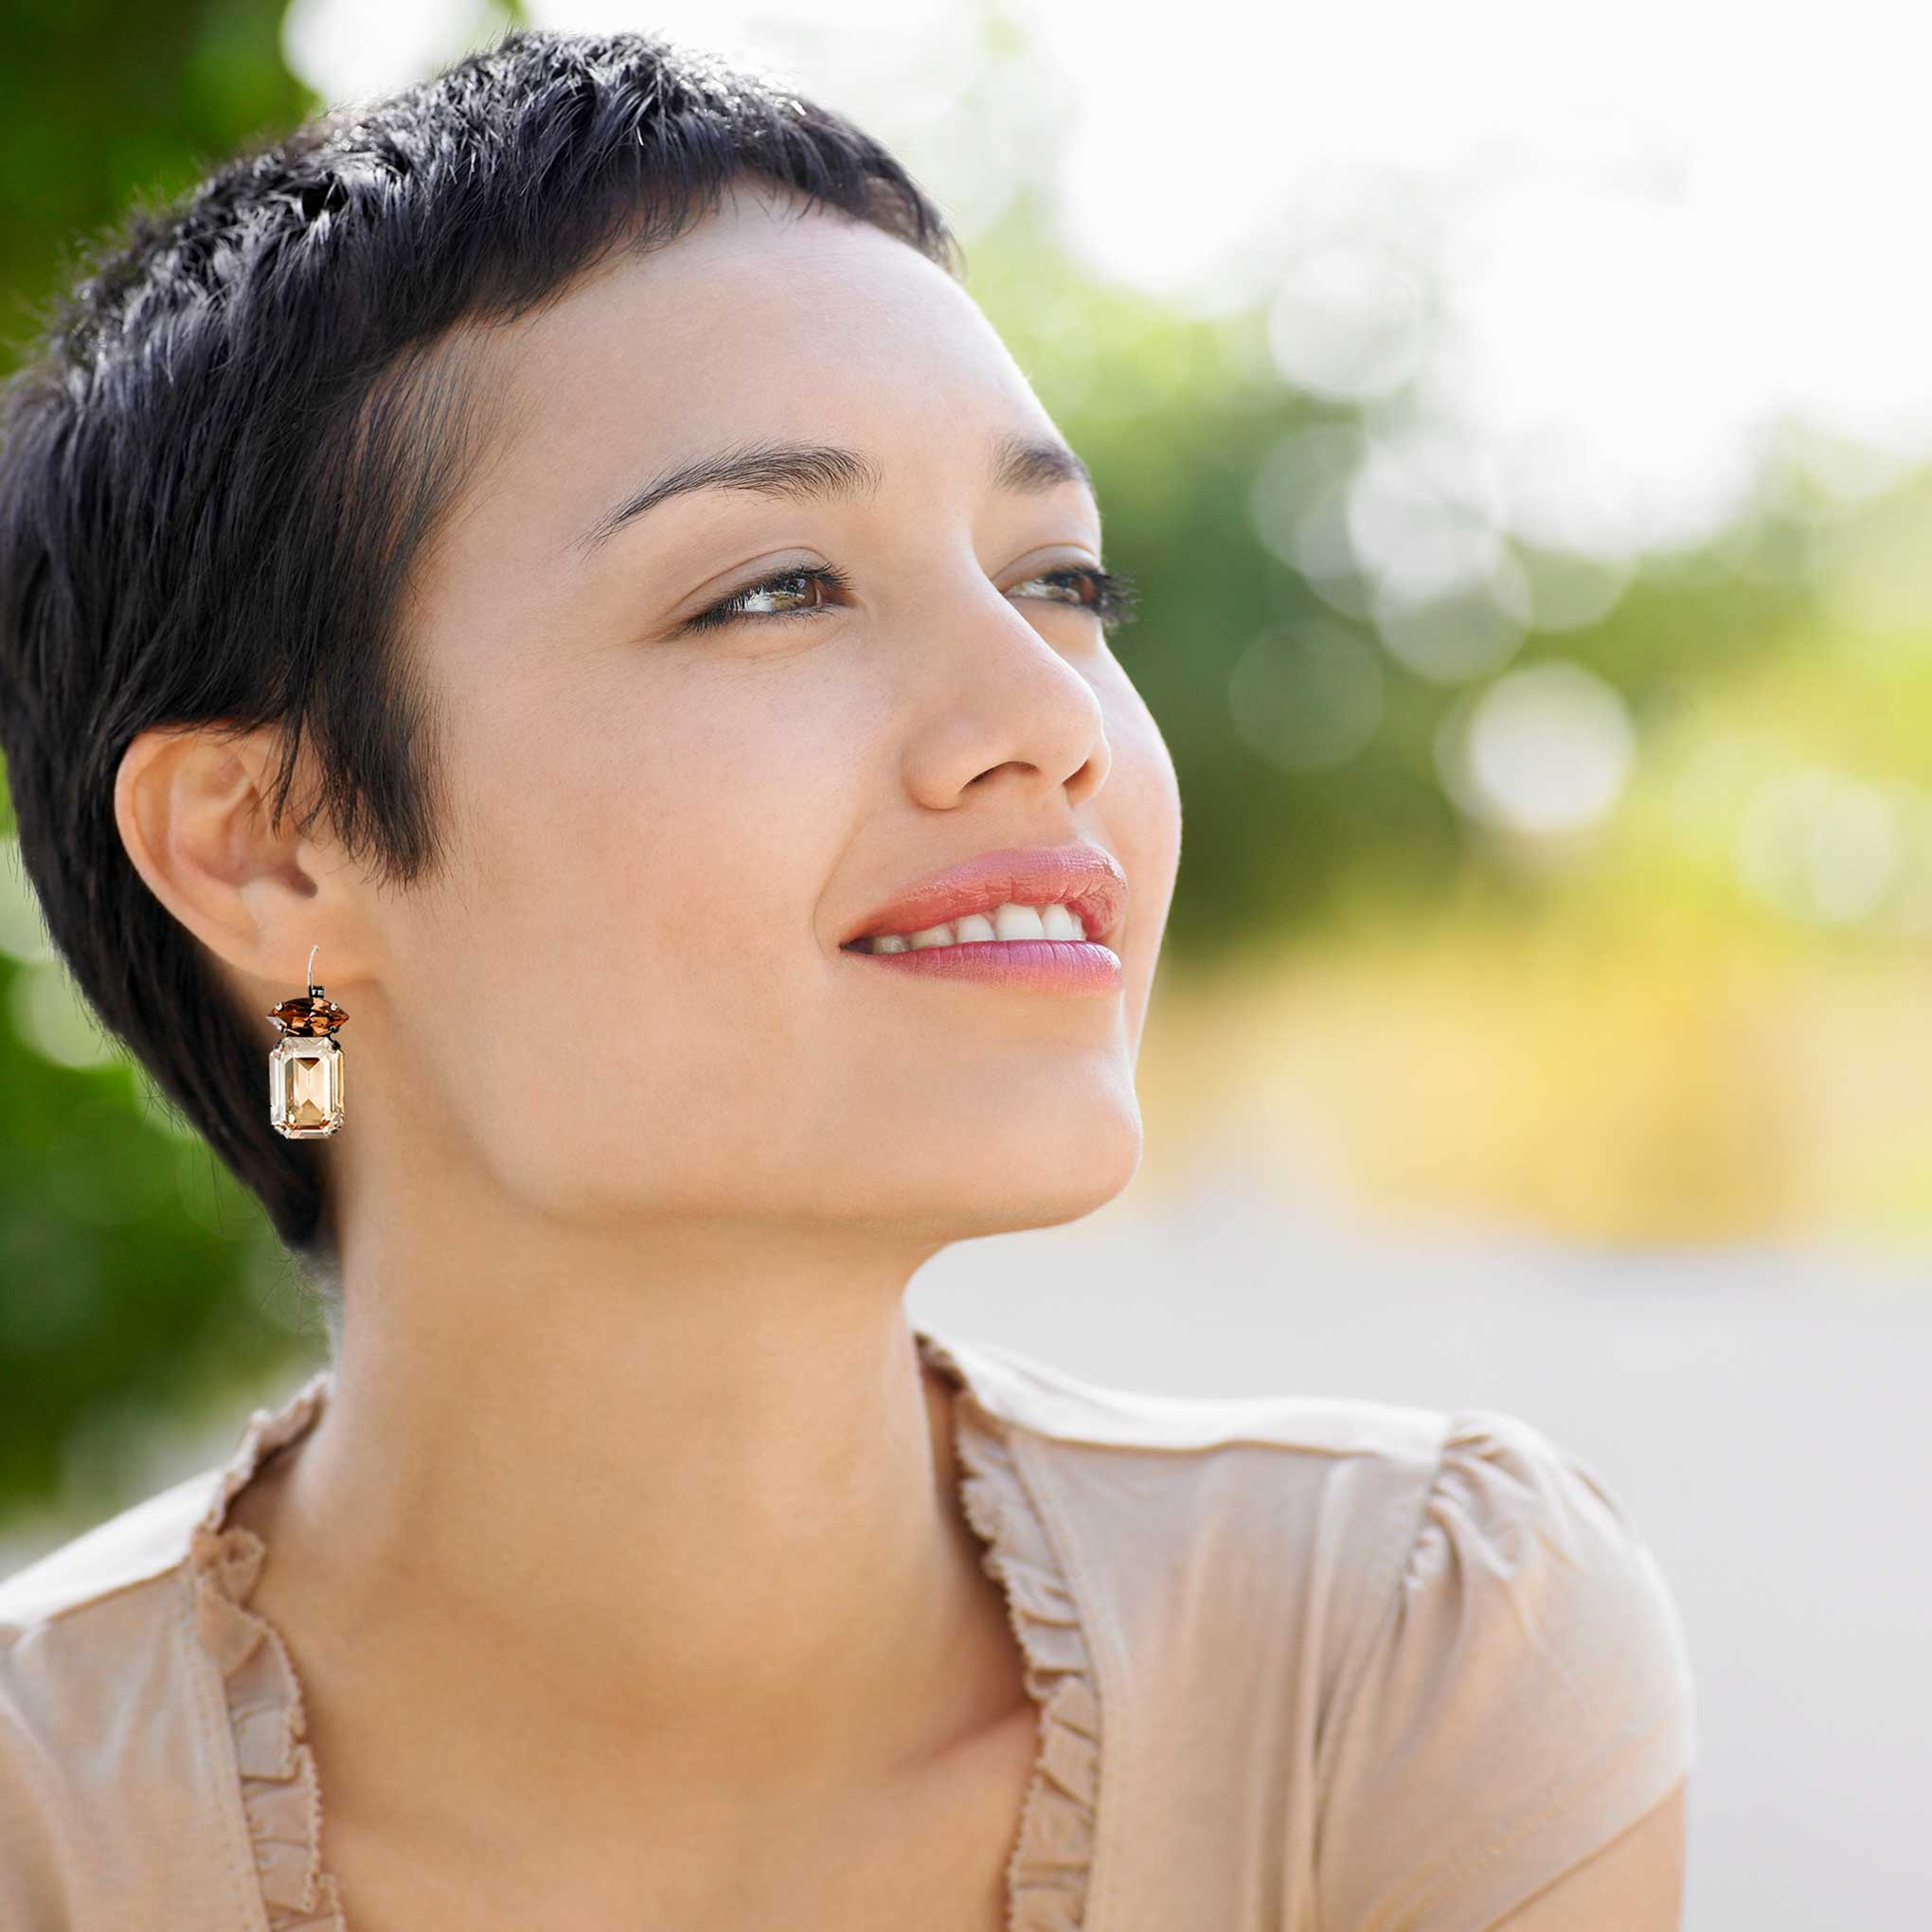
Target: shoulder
(81, 1627)
(1456, 1613)
(155, 1536)
(1518, 1535)
(142, 1541)
(1287, 1471)
(1054, 1403)
(90, 1640)
(1524, 1696)
(1416, 1491)
(1214, 1543)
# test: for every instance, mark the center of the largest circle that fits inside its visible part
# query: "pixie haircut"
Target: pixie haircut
(241, 422)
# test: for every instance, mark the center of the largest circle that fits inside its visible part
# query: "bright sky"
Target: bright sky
(1597, 277)
(1608, 248)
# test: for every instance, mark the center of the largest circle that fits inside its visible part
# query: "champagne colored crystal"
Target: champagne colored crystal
(305, 1090)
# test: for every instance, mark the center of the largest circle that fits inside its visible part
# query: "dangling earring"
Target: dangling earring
(305, 1065)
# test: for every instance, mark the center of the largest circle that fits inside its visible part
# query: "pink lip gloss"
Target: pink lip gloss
(1050, 965)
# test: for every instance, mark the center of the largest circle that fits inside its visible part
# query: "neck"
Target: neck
(649, 1505)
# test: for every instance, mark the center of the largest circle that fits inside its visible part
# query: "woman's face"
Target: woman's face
(627, 995)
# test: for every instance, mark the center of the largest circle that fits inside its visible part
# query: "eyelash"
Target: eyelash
(1111, 596)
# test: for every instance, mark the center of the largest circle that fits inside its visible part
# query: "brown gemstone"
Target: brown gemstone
(305, 1014)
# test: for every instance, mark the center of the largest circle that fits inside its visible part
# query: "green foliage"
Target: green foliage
(135, 1278)
(138, 1276)
(100, 105)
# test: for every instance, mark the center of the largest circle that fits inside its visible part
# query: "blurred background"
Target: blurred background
(1519, 422)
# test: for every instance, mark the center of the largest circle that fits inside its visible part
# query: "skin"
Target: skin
(631, 1533)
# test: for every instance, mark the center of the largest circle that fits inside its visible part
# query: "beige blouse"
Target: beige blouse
(1303, 1664)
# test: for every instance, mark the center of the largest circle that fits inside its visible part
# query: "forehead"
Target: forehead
(769, 319)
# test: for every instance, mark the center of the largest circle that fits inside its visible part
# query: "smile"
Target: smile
(1002, 923)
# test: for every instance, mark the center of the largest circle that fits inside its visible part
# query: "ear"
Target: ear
(191, 803)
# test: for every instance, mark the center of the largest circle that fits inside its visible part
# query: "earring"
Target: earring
(305, 1065)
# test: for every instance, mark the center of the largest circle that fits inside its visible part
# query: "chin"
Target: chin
(1059, 1180)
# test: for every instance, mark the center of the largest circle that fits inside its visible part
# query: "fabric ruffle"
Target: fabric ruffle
(1046, 1877)
(279, 1793)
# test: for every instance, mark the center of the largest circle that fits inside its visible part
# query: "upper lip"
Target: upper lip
(1086, 879)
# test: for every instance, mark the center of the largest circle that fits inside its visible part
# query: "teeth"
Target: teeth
(1018, 922)
(1008, 922)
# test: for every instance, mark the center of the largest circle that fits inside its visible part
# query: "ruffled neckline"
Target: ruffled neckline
(281, 1797)
(1047, 1876)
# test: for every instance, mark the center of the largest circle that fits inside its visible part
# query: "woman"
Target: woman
(556, 562)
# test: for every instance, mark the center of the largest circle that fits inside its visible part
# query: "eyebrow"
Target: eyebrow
(808, 472)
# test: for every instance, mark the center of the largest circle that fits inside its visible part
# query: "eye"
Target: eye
(781, 584)
(1110, 596)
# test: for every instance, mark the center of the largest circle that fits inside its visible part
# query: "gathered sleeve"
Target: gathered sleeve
(1524, 1697)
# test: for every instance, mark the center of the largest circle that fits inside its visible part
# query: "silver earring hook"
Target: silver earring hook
(312, 951)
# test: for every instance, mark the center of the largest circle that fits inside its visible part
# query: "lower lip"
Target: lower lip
(1052, 965)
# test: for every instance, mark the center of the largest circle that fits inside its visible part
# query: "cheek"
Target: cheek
(1139, 816)
(641, 886)
(1141, 808)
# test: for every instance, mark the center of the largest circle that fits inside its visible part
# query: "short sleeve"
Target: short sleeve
(1524, 1697)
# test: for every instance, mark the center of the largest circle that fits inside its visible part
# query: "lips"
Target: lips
(1084, 878)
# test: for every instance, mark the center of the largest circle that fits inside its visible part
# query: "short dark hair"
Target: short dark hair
(234, 433)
